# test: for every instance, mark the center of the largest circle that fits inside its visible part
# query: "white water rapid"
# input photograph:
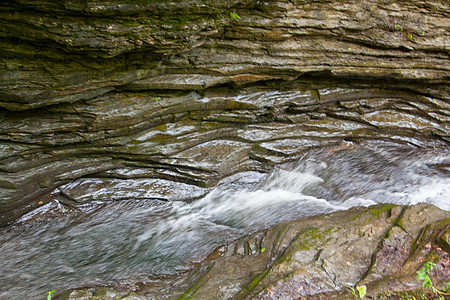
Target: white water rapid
(131, 241)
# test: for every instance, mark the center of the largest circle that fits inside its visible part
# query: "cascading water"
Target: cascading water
(109, 243)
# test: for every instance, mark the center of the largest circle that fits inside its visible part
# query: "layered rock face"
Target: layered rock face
(116, 99)
(107, 100)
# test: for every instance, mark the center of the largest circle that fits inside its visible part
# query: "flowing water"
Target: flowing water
(118, 242)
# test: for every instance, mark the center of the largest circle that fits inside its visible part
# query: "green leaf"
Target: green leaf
(446, 287)
(50, 293)
(362, 291)
(427, 283)
(421, 275)
(352, 289)
(429, 266)
(235, 16)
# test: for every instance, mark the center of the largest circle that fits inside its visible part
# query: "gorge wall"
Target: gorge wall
(107, 100)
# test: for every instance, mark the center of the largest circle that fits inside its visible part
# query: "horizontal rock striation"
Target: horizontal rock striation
(77, 50)
(97, 95)
(190, 140)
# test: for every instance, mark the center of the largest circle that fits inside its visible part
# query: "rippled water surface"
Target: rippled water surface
(109, 243)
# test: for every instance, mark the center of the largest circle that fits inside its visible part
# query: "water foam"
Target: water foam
(108, 243)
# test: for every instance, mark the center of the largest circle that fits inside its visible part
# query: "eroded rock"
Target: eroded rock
(157, 85)
(319, 257)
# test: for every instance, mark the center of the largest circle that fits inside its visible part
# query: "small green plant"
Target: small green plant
(235, 16)
(423, 275)
(360, 291)
(49, 294)
(446, 287)
(262, 250)
(384, 294)
(398, 27)
(157, 99)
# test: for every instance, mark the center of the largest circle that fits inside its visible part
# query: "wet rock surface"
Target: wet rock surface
(163, 100)
(78, 50)
(190, 140)
(316, 258)
(182, 91)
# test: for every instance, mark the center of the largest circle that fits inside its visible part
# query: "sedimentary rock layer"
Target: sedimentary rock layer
(77, 50)
(190, 140)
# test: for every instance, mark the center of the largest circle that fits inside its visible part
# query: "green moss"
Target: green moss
(64, 295)
(247, 248)
(126, 132)
(190, 292)
(257, 149)
(399, 223)
(101, 292)
(131, 36)
(206, 126)
(357, 216)
(318, 236)
(255, 281)
(175, 22)
(379, 210)
(307, 239)
(42, 27)
(160, 139)
(131, 23)
(161, 127)
(315, 94)
(278, 237)
(7, 185)
(135, 142)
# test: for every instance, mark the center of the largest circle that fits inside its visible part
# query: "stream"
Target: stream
(125, 242)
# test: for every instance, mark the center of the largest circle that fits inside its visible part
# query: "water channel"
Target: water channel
(109, 243)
